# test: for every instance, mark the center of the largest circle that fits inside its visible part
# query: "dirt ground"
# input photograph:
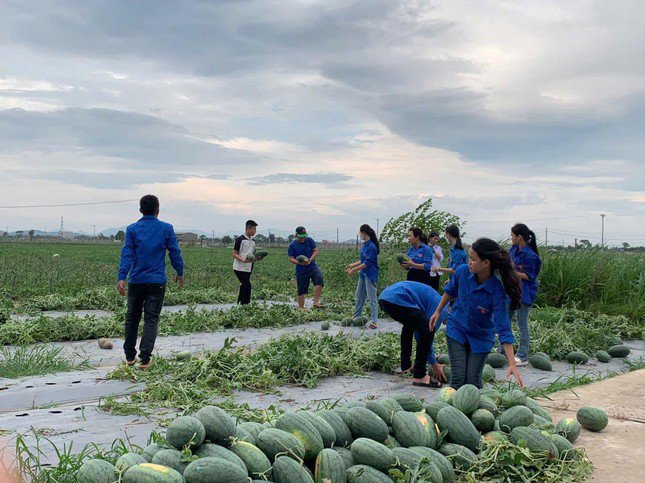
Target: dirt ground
(618, 451)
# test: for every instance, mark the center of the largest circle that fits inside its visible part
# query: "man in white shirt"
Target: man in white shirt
(437, 258)
(244, 246)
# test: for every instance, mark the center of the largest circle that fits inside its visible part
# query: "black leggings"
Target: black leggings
(413, 320)
(422, 276)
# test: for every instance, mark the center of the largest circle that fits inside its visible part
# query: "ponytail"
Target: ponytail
(369, 231)
(418, 232)
(501, 262)
(520, 229)
(453, 231)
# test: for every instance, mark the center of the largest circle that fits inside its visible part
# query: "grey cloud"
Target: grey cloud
(136, 137)
(329, 179)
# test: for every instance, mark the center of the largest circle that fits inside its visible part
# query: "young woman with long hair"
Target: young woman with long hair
(367, 267)
(479, 291)
(458, 255)
(527, 263)
(420, 257)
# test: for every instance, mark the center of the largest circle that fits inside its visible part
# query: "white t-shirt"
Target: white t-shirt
(244, 245)
(436, 262)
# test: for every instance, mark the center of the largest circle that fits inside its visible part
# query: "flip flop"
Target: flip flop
(402, 371)
(432, 383)
(319, 306)
(372, 326)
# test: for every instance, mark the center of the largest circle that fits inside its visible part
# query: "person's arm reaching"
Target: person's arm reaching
(127, 259)
(176, 260)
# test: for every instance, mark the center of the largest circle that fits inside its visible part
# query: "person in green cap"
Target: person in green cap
(302, 253)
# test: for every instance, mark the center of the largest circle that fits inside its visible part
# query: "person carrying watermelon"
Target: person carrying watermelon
(420, 256)
(143, 265)
(367, 267)
(243, 259)
(412, 304)
(527, 263)
(302, 253)
(479, 311)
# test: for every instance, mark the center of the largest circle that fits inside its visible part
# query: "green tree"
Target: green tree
(227, 240)
(395, 231)
(120, 235)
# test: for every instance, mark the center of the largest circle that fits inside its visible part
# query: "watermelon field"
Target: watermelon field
(268, 392)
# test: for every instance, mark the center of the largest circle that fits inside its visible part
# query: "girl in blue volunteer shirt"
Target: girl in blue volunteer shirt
(412, 304)
(367, 267)
(479, 291)
(527, 263)
(458, 255)
(420, 262)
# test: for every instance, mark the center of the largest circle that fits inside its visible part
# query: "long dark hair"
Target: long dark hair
(501, 262)
(418, 232)
(520, 229)
(453, 231)
(369, 231)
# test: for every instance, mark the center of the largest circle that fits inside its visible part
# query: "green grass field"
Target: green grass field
(84, 277)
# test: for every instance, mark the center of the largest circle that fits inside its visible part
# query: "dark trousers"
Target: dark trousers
(434, 282)
(422, 276)
(146, 298)
(413, 320)
(244, 297)
(466, 366)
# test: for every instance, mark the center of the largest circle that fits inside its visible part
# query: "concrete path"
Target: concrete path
(618, 451)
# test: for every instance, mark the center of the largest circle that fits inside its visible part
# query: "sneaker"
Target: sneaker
(519, 362)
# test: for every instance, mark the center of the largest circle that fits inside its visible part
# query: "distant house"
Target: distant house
(188, 237)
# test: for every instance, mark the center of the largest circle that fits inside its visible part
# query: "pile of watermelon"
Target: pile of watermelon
(382, 440)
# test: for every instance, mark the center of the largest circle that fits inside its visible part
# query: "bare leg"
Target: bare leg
(317, 292)
(301, 301)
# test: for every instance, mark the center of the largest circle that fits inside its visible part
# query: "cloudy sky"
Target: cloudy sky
(325, 113)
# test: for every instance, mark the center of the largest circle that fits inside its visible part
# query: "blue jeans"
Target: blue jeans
(366, 290)
(466, 366)
(523, 326)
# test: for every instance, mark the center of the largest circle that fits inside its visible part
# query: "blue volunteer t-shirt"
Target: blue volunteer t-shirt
(458, 256)
(369, 256)
(529, 263)
(423, 255)
(479, 311)
(307, 249)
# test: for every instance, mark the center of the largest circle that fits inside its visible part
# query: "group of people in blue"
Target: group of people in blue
(486, 288)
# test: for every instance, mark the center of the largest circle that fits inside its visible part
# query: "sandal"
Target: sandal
(433, 383)
(402, 371)
(319, 306)
(372, 325)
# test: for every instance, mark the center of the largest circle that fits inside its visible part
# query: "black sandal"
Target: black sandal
(433, 383)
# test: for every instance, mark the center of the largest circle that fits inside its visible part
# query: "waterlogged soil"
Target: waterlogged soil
(64, 407)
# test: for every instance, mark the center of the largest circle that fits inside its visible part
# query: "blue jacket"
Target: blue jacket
(529, 263)
(307, 249)
(458, 256)
(423, 254)
(143, 255)
(369, 256)
(478, 312)
(417, 296)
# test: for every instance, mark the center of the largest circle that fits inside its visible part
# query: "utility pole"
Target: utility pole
(94, 226)
(546, 236)
(377, 223)
(336, 235)
(602, 233)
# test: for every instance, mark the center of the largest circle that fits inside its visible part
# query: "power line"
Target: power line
(68, 204)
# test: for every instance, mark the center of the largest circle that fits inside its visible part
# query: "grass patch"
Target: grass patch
(301, 359)
(38, 360)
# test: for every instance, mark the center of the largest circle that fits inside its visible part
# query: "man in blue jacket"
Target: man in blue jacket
(143, 257)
